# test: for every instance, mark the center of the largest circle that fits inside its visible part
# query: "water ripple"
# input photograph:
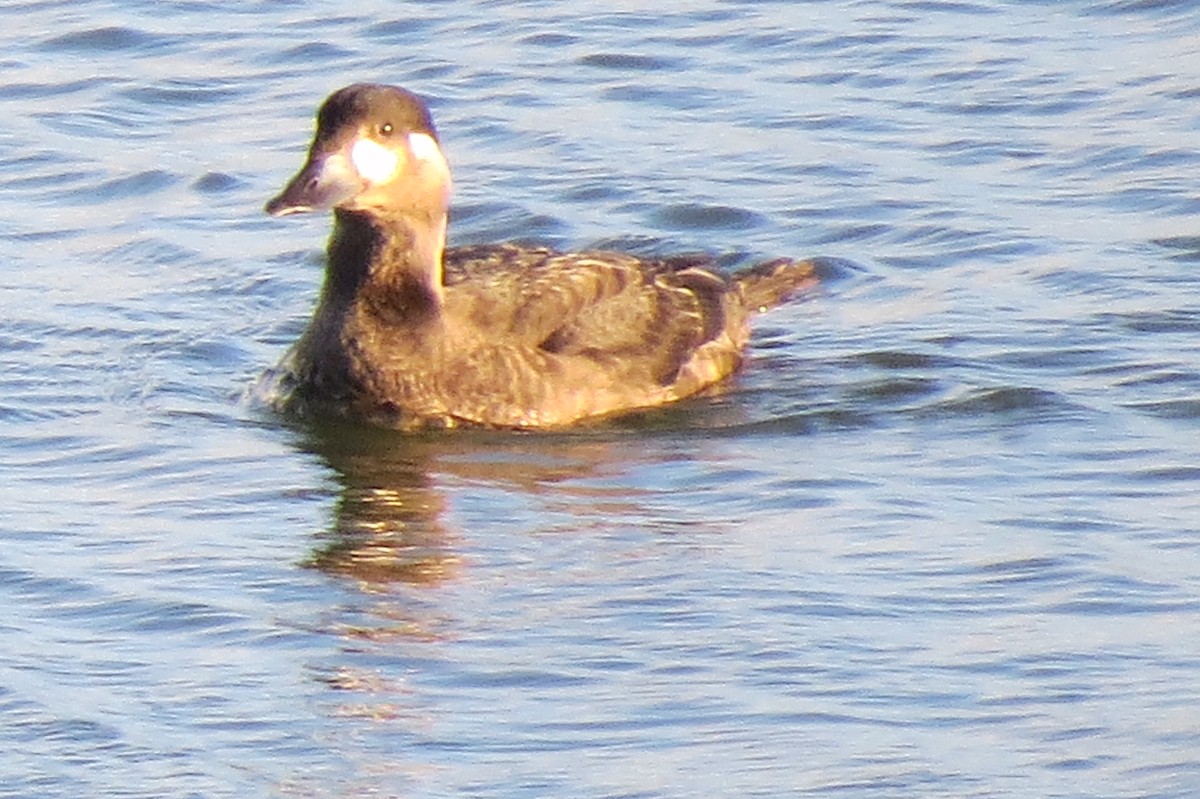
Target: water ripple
(939, 534)
(106, 39)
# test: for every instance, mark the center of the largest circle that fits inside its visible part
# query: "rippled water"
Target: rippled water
(940, 539)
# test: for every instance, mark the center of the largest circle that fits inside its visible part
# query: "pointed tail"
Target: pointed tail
(765, 285)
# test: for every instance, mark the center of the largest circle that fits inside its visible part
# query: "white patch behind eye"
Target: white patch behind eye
(373, 161)
(424, 147)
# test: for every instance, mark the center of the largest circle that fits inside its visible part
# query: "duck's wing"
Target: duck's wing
(645, 316)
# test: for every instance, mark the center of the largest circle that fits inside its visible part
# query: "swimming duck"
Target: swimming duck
(409, 334)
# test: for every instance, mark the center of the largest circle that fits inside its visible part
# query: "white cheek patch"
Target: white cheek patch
(374, 162)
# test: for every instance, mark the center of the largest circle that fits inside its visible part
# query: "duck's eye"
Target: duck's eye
(386, 129)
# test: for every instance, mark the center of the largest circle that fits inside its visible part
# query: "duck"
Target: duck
(410, 334)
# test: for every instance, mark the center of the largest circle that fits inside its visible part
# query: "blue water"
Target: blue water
(940, 539)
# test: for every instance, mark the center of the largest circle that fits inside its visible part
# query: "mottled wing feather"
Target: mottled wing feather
(526, 293)
(647, 315)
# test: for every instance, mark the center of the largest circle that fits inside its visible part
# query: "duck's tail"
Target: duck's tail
(771, 283)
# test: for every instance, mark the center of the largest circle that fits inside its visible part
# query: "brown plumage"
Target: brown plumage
(410, 334)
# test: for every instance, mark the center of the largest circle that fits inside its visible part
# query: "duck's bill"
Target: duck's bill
(323, 183)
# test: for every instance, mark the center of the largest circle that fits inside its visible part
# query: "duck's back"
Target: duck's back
(645, 318)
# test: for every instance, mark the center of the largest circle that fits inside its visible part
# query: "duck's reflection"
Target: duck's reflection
(396, 539)
(388, 524)
(390, 521)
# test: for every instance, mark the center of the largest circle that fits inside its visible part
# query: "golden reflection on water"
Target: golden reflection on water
(393, 540)
(387, 533)
(390, 525)
(387, 524)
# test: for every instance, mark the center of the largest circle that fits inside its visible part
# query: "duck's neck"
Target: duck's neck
(392, 263)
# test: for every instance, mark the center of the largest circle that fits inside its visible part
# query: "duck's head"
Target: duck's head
(375, 151)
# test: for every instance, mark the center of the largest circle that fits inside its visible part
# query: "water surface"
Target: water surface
(939, 539)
